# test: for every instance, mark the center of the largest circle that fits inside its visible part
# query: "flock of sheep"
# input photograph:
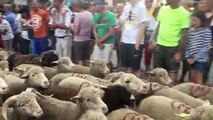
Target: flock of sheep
(74, 92)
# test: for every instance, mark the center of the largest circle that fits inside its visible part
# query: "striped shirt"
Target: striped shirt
(198, 44)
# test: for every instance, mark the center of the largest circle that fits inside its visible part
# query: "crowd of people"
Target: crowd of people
(135, 37)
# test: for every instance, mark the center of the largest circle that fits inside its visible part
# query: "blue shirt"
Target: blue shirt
(198, 44)
(11, 18)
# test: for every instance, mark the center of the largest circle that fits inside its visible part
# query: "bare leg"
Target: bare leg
(198, 77)
(138, 73)
(173, 76)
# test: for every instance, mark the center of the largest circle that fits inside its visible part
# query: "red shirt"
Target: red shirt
(40, 21)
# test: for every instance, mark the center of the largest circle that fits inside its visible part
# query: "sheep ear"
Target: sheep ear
(75, 99)
(25, 76)
(150, 73)
(55, 62)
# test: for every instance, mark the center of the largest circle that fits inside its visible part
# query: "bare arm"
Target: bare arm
(140, 35)
(95, 33)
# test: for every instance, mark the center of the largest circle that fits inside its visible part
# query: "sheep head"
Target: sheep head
(159, 75)
(4, 66)
(203, 112)
(90, 98)
(132, 83)
(3, 55)
(25, 104)
(64, 64)
(35, 77)
(4, 89)
(99, 68)
(47, 58)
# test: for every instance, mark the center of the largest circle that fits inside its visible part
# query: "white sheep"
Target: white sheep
(4, 66)
(132, 83)
(93, 115)
(159, 75)
(54, 109)
(3, 55)
(4, 89)
(158, 89)
(98, 68)
(196, 90)
(34, 77)
(127, 114)
(163, 108)
(25, 105)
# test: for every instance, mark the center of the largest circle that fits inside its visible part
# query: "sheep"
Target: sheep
(4, 89)
(134, 84)
(160, 90)
(196, 90)
(64, 93)
(25, 105)
(3, 55)
(98, 68)
(4, 66)
(159, 75)
(69, 87)
(17, 59)
(127, 114)
(117, 96)
(54, 109)
(161, 108)
(34, 77)
(93, 115)
(47, 58)
(114, 76)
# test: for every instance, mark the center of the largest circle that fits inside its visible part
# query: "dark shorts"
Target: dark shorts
(198, 66)
(81, 50)
(130, 57)
(163, 58)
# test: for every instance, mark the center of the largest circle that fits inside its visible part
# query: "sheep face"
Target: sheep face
(203, 112)
(4, 89)
(35, 77)
(99, 68)
(63, 64)
(159, 75)
(3, 55)
(4, 65)
(132, 83)
(90, 98)
(24, 104)
(30, 108)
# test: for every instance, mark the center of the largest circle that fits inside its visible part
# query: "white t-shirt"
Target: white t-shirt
(4, 25)
(58, 17)
(132, 17)
(20, 2)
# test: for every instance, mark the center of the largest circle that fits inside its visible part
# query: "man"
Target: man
(6, 33)
(38, 23)
(132, 40)
(10, 17)
(104, 22)
(173, 26)
(61, 21)
(82, 28)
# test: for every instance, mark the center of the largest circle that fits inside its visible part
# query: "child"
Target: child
(198, 45)
(6, 33)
